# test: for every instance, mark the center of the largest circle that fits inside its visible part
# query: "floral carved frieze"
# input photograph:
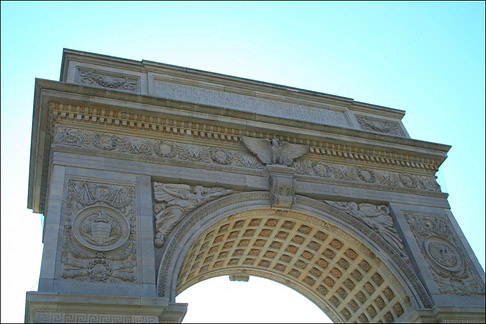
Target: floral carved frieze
(367, 176)
(153, 148)
(99, 233)
(105, 80)
(447, 260)
(377, 217)
(379, 125)
(174, 201)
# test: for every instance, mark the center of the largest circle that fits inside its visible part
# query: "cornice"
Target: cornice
(94, 108)
(147, 113)
(150, 123)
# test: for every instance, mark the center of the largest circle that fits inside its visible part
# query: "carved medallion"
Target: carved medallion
(437, 241)
(221, 156)
(366, 175)
(105, 141)
(100, 228)
(165, 149)
(443, 253)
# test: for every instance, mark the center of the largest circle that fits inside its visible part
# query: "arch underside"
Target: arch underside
(340, 275)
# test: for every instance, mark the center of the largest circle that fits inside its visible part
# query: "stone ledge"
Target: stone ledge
(58, 307)
(447, 314)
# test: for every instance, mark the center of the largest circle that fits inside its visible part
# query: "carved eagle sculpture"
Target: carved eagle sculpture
(274, 151)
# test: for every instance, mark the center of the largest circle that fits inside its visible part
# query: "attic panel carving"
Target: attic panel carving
(250, 104)
(103, 79)
(379, 125)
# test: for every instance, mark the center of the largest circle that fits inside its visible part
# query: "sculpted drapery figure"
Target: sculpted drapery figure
(274, 151)
(178, 200)
(376, 217)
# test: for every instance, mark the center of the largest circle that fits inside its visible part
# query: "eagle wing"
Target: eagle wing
(290, 152)
(261, 147)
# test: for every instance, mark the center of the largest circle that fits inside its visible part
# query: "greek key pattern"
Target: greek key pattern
(45, 317)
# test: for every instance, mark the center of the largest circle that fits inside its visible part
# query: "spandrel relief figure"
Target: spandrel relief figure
(176, 201)
(274, 151)
(376, 217)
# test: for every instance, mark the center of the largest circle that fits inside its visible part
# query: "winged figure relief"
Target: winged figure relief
(178, 200)
(274, 151)
(376, 217)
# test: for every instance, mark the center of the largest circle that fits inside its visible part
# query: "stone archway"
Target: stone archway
(314, 248)
(153, 177)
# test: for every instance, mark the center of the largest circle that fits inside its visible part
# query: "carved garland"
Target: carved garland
(366, 176)
(151, 148)
(107, 81)
(163, 149)
(379, 125)
(140, 121)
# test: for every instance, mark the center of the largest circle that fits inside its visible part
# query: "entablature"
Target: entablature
(144, 116)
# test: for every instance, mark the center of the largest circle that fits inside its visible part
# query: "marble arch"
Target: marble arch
(153, 177)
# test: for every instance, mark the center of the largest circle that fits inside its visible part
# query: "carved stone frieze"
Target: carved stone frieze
(379, 125)
(106, 80)
(99, 233)
(164, 149)
(174, 201)
(152, 148)
(444, 255)
(362, 175)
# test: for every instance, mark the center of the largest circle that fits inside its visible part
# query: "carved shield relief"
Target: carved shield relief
(99, 233)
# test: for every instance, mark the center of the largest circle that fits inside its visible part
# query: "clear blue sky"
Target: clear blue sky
(425, 58)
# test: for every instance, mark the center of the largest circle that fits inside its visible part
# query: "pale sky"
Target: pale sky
(425, 58)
